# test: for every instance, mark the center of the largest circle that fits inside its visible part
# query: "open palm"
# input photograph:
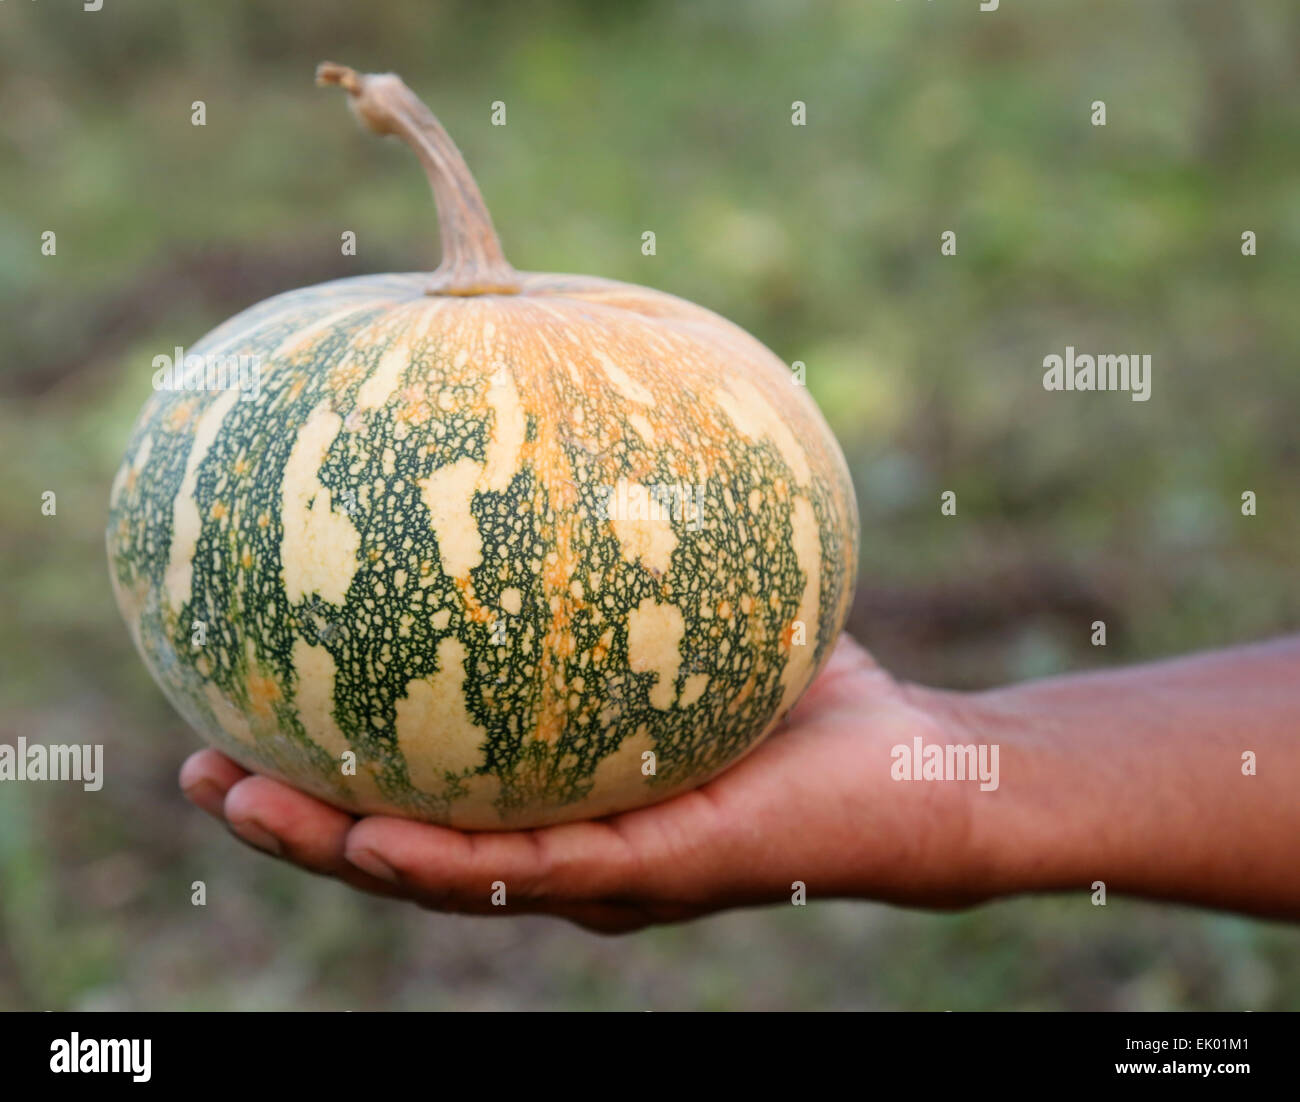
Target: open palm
(814, 804)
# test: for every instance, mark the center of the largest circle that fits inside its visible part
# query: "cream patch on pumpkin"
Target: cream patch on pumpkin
(644, 429)
(754, 417)
(622, 381)
(509, 427)
(449, 491)
(447, 495)
(386, 377)
(319, 549)
(186, 522)
(618, 781)
(694, 688)
(435, 733)
(229, 718)
(314, 696)
(512, 600)
(806, 542)
(644, 531)
(654, 634)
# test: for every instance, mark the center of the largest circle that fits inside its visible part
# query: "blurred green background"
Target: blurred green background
(824, 242)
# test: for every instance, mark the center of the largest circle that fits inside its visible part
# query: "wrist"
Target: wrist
(1142, 778)
(1022, 829)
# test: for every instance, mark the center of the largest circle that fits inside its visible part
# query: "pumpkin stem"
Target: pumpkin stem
(472, 260)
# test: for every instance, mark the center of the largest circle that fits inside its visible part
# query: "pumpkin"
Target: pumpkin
(481, 547)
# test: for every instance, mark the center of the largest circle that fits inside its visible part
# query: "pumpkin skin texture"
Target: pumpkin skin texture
(429, 537)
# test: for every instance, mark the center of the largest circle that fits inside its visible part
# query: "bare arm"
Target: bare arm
(1132, 777)
(1176, 780)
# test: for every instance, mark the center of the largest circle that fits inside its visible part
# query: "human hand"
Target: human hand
(813, 803)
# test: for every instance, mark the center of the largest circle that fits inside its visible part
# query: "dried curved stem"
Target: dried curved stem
(472, 260)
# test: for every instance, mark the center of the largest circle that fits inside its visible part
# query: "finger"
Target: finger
(206, 777)
(658, 856)
(287, 823)
(579, 863)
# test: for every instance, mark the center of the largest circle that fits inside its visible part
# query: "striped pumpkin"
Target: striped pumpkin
(484, 548)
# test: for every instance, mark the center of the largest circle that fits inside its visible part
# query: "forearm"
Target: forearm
(1136, 778)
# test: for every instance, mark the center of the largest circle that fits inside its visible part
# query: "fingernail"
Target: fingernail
(368, 863)
(258, 836)
(206, 795)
